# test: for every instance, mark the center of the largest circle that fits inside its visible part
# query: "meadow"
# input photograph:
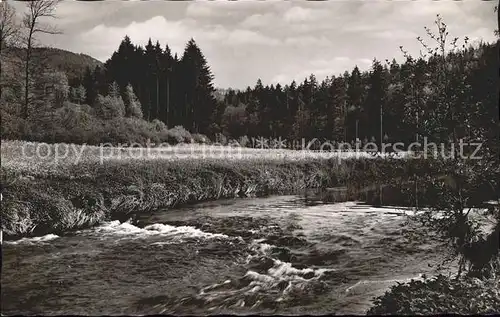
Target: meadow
(35, 157)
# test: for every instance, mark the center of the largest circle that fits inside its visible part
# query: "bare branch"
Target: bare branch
(37, 9)
(47, 31)
(9, 29)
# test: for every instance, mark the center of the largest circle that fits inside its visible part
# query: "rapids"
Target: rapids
(272, 255)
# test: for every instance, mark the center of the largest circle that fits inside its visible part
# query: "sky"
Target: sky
(276, 41)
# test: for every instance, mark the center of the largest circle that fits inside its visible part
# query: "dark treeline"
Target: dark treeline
(439, 97)
(405, 99)
(175, 91)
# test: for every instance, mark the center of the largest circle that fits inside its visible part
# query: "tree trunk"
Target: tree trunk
(27, 73)
(157, 98)
(168, 101)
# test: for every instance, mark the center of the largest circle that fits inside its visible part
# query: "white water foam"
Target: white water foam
(34, 240)
(381, 285)
(277, 281)
(182, 232)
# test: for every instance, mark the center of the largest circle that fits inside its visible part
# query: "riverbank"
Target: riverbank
(55, 188)
(440, 295)
(49, 195)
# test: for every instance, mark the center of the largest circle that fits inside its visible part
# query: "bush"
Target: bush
(158, 125)
(13, 127)
(72, 115)
(179, 134)
(200, 138)
(221, 139)
(440, 295)
(244, 141)
(109, 107)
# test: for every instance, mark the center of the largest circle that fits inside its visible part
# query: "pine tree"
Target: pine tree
(114, 90)
(198, 89)
(90, 86)
(167, 81)
(338, 108)
(150, 81)
(132, 104)
(355, 98)
(374, 103)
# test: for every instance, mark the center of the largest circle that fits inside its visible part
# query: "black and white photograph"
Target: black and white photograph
(249, 157)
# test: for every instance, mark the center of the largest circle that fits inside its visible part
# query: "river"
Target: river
(274, 255)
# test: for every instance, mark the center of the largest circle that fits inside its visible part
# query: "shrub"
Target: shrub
(200, 138)
(130, 130)
(244, 141)
(158, 125)
(78, 94)
(109, 107)
(179, 134)
(13, 127)
(72, 115)
(440, 295)
(221, 139)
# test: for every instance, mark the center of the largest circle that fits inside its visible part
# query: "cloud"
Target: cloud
(258, 20)
(299, 14)
(308, 41)
(243, 37)
(395, 34)
(176, 33)
(482, 34)
(105, 39)
(277, 41)
(197, 10)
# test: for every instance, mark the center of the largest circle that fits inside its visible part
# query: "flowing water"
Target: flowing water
(272, 255)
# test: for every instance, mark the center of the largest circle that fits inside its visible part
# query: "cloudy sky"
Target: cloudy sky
(277, 41)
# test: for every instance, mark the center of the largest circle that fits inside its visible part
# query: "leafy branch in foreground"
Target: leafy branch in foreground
(470, 184)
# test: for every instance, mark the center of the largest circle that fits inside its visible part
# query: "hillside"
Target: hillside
(72, 64)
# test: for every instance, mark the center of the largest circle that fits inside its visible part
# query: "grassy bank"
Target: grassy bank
(52, 195)
(53, 188)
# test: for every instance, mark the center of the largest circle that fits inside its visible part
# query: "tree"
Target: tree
(109, 108)
(338, 108)
(198, 89)
(234, 121)
(132, 104)
(9, 29)
(150, 61)
(80, 94)
(375, 100)
(59, 80)
(90, 86)
(464, 183)
(37, 10)
(167, 65)
(355, 97)
(9, 32)
(114, 90)
(119, 67)
(158, 71)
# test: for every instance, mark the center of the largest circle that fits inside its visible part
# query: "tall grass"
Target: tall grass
(52, 196)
